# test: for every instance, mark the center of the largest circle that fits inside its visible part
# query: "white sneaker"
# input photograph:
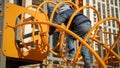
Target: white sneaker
(70, 57)
(24, 49)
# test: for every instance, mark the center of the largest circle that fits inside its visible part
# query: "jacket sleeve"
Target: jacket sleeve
(60, 18)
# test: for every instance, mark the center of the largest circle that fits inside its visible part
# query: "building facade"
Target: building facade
(106, 8)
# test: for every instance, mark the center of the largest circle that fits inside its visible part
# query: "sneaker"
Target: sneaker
(70, 57)
(24, 49)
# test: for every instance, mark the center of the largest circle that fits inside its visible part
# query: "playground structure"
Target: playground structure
(39, 36)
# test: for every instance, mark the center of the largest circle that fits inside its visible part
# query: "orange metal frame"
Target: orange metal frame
(11, 49)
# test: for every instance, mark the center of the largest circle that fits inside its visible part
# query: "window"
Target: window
(112, 11)
(37, 2)
(103, 0)
(112, 2)
(87, 2)
(88, 13)
(113, 23)
(110, 40)
(99, 9)
(119, 3)
(18, 2)
(94, 20)
(94, 1)
(104, 13)
(116, 10)
(116, 2)
(105, 35)
(114, 31)
(107, 1)
(94, 13)
(109, 23)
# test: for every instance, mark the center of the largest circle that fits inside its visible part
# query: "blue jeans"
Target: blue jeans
(80, 30)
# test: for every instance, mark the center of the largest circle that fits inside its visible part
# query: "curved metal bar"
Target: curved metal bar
(21, 32)
(51, 18)
(114, 44)
(45, 2)
(71, 18)
(40, 27)
(58, 5)
(78, 10)
(89, 33)
(37, 7)
(71, 33)
(21, 21)
(40, 5)
(118, 36)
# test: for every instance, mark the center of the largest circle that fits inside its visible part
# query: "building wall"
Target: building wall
(106, 8)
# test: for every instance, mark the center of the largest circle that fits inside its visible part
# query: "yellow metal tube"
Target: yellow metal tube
(97, 24)
(71, 33)
(58, 5)
(113, 46)
(40, 5)
(74, 14)
(78, 10)
(118, 35)
(22, 16)
(109, 49)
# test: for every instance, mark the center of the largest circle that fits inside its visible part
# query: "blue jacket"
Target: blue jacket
(65, 16)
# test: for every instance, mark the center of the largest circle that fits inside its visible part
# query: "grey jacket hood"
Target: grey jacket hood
(63, 8)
